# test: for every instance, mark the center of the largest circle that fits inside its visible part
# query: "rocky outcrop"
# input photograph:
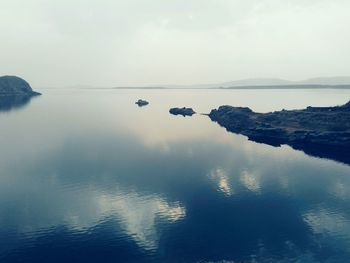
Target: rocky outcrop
(141, 103)
(182, 111)
(15, 86)
(319, 131)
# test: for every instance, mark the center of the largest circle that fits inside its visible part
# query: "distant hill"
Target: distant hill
(12, 85)
(238, 83)
(328, 81)
(254, 83)
(267, 82)
(257, 82)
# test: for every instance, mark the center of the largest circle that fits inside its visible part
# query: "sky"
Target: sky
(158, 42)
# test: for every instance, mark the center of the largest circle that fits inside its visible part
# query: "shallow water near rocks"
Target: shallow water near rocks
(87, 176)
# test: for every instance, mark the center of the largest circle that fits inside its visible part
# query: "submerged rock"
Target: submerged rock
(141, 103)
(318, 131)
(182, 111)
(15, 86)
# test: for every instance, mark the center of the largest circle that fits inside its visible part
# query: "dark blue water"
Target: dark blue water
(87, 176)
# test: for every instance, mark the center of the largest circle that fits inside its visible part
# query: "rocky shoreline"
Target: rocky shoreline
(318, 131)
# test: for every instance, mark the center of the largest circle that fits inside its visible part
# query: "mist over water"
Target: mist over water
(87, 175)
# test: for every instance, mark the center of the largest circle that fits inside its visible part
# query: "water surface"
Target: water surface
(87, 176)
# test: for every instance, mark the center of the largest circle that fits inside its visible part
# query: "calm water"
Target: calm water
(87, 176)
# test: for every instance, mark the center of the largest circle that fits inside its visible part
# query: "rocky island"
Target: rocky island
(142, 103)
(318, 131)
(182, 111)
(15, 86)
(14, 93)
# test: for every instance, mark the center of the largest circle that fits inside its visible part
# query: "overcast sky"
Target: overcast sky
(145, 42)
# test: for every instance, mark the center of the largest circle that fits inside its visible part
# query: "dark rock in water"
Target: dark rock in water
(14, 93)
(318, 131)
(15, 86)
(182, 111)
(141, 103)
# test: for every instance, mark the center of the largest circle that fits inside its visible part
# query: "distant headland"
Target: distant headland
(15, 86)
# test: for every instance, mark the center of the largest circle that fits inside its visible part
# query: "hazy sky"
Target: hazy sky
(145, 42)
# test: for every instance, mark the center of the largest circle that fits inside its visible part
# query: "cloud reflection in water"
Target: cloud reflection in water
(219, 175)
